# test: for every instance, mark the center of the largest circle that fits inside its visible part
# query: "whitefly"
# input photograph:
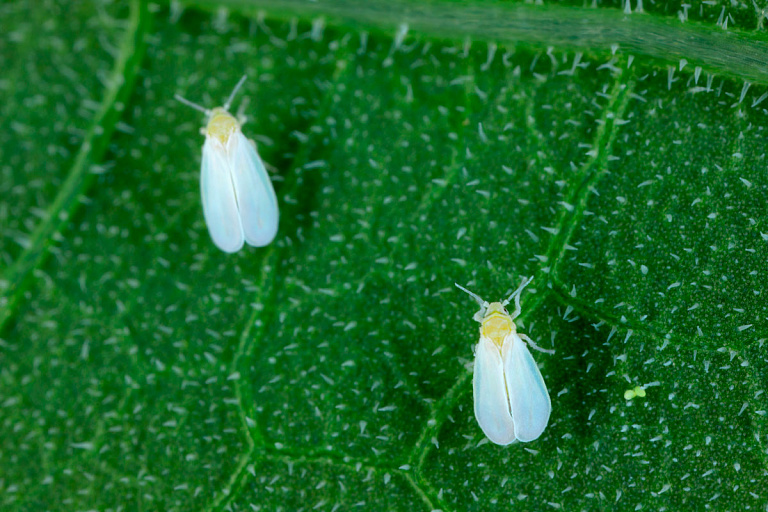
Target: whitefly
(511, 399)
(239, 202)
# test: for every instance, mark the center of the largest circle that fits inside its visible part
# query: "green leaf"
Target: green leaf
(616, 158)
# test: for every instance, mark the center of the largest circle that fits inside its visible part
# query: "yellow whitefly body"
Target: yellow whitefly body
(497, 324)
(221, 125)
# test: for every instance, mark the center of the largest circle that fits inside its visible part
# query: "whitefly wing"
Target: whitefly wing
(528, 396)
(219, 202)
(491, 403)
(255, 196)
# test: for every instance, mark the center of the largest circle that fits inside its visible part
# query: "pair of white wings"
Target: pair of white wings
(511, 399)
(239, 202)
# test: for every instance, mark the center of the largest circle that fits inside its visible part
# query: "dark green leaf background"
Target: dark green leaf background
(143, 369)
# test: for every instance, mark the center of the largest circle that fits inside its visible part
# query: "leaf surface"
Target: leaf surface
(143, 369)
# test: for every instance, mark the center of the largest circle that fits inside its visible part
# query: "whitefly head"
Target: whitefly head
(497, 308)
(221, 124)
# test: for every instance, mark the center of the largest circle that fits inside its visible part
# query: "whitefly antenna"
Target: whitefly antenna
(192, 104)
(477, 298)
(516, 294)
(234, 92)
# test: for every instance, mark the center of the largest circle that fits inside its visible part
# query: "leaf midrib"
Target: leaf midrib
(736, 53)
